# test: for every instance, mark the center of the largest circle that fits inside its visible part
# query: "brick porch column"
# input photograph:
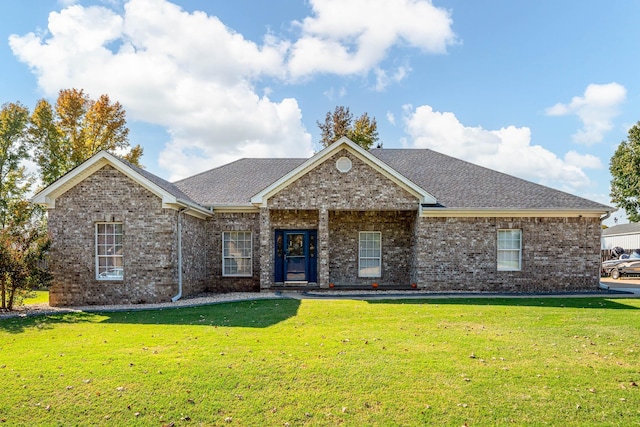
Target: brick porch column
(266, 257)
(323, 247)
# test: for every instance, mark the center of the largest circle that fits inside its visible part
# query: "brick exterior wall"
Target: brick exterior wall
(196, 250)
(149, 243)
(362, 188)
(339, 205)
(439, 254)
(233, 222)
(460, 254)
(397, 235)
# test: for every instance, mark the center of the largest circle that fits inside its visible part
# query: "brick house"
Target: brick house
(346, 217)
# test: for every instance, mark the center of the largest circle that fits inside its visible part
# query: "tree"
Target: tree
(76, 129)
(339, 123)
(14, 182)
(625, 170)
(24, 245)
(23, 238)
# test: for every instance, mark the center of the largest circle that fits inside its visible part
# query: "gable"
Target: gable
(107, 190)
(362, 187)
(171, 196)
(330, 156)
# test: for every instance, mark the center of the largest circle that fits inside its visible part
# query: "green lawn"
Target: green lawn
(483, 362)
(37, 297)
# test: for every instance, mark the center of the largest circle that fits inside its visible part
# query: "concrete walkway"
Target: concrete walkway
(623, 288)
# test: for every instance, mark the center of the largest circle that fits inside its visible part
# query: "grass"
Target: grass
(317, 362)
(36, 297)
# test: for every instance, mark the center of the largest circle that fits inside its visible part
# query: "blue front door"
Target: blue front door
(295, 256)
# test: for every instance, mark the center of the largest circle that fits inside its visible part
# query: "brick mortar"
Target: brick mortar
(558, 254)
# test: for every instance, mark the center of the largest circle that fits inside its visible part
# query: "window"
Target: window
(370, 254)
(509, 250)
(109, 255)
(236, 253)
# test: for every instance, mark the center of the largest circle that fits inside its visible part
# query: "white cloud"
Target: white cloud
(383, 78)
(333, 95)
(190, 73)
(185, 71)
(391, 118)
(596, 109)
(507, 150)
(352, 37)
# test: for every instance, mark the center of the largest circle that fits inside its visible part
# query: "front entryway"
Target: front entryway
(295, 256)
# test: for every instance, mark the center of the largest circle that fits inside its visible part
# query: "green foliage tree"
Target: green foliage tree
(14, 182)
(75, 129)
(24, 245)
(625, 170)
(23, 237)
(363, 131)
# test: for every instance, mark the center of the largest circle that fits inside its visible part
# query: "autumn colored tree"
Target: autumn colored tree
(625, 170)
(75, 129)
(363, 131)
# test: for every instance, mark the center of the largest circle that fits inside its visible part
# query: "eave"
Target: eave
(443, 212)
(235, 209)
(47, 197)
(260, 199)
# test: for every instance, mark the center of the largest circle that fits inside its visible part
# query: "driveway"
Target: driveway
(624, 285)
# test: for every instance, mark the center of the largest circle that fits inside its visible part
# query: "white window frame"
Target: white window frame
(112, 253)
(364, 240)
(237, 256)
(508, 250)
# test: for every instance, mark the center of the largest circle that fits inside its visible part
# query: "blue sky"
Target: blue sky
(540, 89)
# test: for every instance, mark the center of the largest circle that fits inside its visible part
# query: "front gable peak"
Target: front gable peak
(343, 164)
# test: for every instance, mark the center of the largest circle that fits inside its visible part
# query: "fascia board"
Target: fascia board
(261, 198)
(234, 209)
(514, 213)
(49, 195)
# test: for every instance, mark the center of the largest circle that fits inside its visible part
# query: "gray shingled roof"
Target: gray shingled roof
(459, 184)
(165, 185)
(632, 228)
(235, 183)
(455, 183)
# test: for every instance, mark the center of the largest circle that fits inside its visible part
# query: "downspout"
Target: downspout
(606, 216)
(179, 295)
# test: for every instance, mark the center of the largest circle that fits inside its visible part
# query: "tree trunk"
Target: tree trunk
(2, 291)
(12, 293)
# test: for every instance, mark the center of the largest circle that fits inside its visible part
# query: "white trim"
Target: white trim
(423, 196)
(498, 250)
(379, 258)
(97, 256)
(344, 164)
(501, 213)
(48, 196)
(235, 209)
(250, 274)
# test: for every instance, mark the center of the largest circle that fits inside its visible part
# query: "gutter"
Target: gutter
(179, 295)
(194, 207)
(431, 211)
